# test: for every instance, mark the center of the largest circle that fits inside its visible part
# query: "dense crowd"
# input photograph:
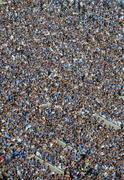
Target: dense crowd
(61, 62)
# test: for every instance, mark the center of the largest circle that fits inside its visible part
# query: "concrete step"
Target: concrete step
(52, 168)
(2, 2)
(107, 122)
(121, 97)
(63, 144)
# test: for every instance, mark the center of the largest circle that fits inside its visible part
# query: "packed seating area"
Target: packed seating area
(61, 90)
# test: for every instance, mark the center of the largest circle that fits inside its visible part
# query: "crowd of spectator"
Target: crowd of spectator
(61, 62)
